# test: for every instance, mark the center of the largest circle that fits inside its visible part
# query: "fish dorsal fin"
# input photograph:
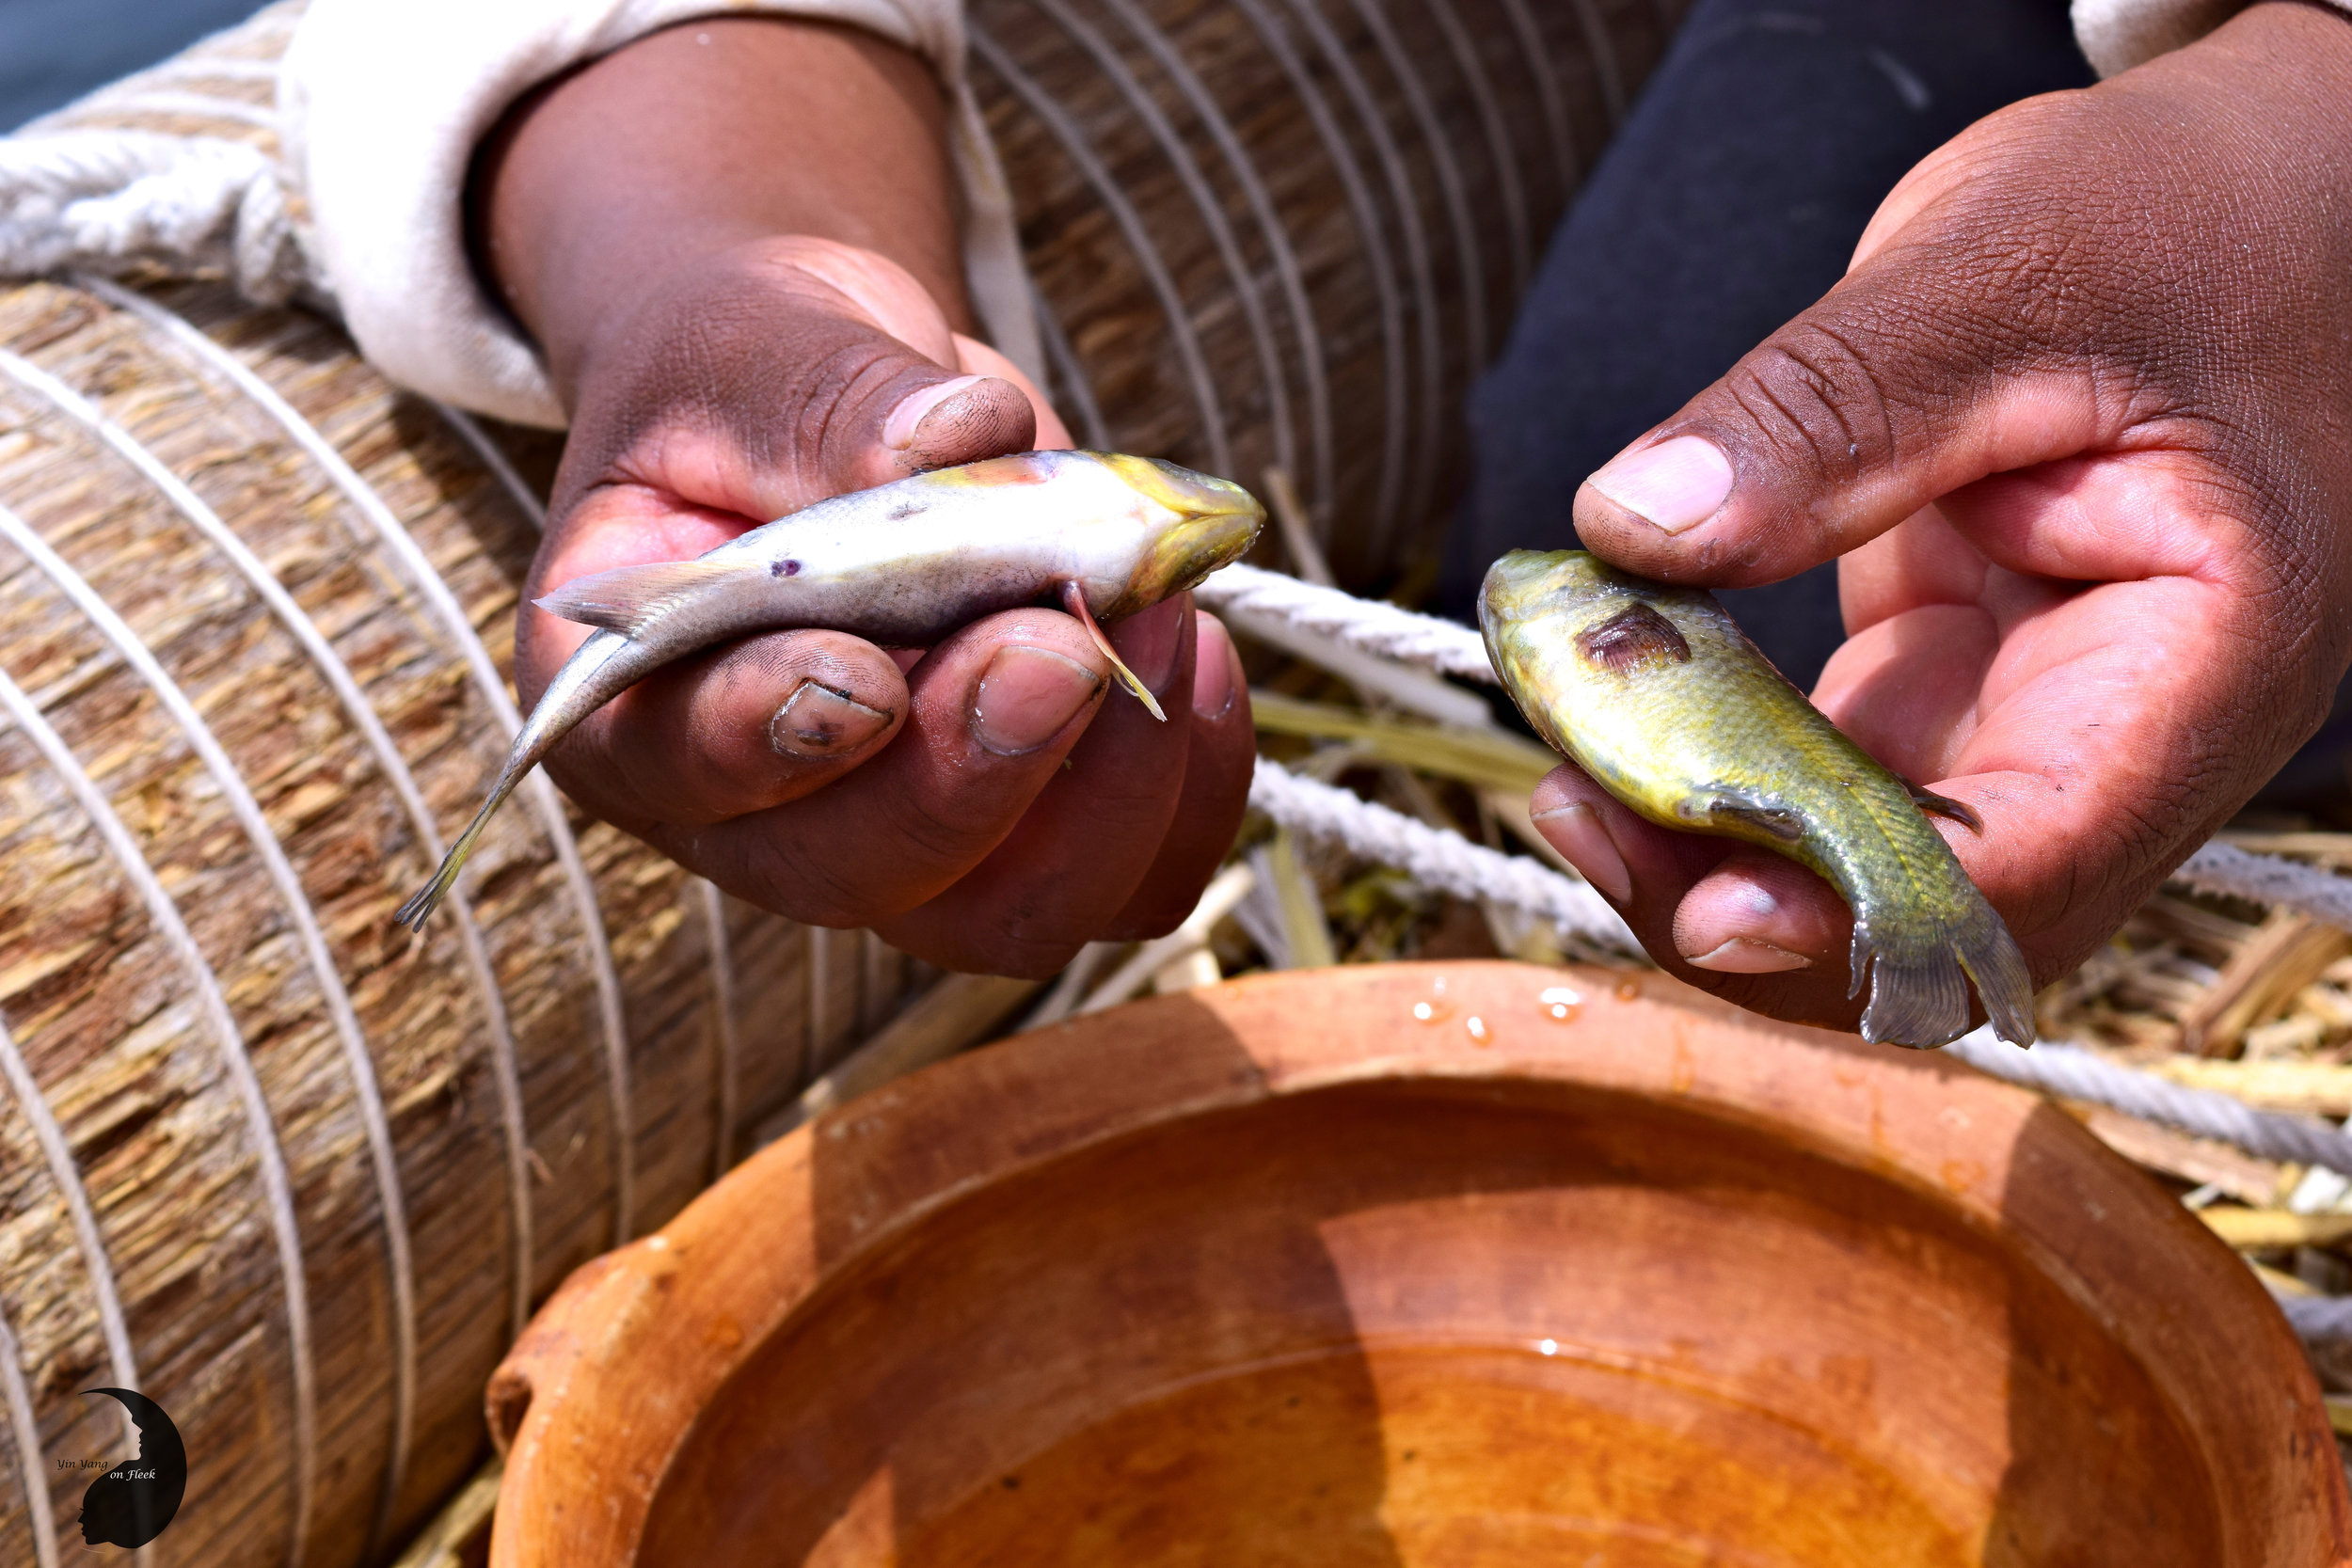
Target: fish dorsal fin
(628, 600)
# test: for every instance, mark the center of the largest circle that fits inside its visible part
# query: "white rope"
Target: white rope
(367, 1091)
(65, 1175)
(107, 200)
(1450, 864)
(269, 1158)
(1438, 860)
(1288, 277)
(1306, 91)
(819, 1023)
(16, 1394)
(727, 1091)
(1449, 648)
(1368, 626)
(1182, 336)
(181, 104)
(537, 791)
(2071, 1073)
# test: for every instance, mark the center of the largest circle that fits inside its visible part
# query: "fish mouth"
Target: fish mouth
(1215, 521)
(1192, 495)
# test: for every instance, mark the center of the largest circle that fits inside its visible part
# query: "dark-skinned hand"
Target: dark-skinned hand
(730, 352)
(2078, 422)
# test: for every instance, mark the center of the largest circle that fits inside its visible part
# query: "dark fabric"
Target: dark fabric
(54, 51)
(1730, 200)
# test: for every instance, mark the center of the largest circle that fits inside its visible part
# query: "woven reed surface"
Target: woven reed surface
(1408, 290)
(104, 1009)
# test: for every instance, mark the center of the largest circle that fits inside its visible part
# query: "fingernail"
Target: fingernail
(1149, 639)
(1747, 956)
(1216, 669)
(818, 721)
(906, 421)
(1673, 486)
(1026, 697)
(1576, 833)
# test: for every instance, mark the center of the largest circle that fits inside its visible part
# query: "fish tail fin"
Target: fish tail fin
(1073, 599)
(1920, 972)
(420, 909)
(627, 600)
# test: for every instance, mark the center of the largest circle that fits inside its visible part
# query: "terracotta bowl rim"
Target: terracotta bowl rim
(577, 1380)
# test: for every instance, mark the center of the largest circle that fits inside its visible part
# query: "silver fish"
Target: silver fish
(902, 564)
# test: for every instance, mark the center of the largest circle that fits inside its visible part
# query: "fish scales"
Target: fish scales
(1657, 694)
(902, 564)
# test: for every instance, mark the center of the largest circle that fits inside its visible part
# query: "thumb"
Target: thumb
(936, 418)
(1915, 375)
(878, 390)
(779, 373)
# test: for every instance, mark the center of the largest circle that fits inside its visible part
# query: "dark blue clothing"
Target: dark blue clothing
(54, 51)
(1730, 200)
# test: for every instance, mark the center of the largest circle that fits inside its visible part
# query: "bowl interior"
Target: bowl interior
(1433, 1320)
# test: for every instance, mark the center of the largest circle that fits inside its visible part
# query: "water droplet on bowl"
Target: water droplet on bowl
(1479, 1032)
(1560, 1004)
(1628, 989)
(1548, 1347)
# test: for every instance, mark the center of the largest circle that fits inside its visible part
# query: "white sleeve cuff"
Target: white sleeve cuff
(2117, 34)
(383, 105)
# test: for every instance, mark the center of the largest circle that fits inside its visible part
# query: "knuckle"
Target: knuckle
(1024, 958)
(1814, 395)
(939, 831)
(778, 876)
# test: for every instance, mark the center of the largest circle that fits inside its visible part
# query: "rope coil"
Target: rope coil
(107, 200)
(1438, 858)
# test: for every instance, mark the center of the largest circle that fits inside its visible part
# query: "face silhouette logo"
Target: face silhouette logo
(130, 1505)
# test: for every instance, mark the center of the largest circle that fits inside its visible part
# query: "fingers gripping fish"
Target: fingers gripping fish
(1099, 534)
(1656, 693)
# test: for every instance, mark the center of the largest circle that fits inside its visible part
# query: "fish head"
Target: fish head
(1562, 621)
(1526, 583)
(1203, 523)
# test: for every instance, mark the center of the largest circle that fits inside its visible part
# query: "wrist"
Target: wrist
(2279, 56)
(718, 289)
(663, 158)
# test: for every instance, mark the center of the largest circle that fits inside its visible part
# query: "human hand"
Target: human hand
(991, 805)
(2079, 414)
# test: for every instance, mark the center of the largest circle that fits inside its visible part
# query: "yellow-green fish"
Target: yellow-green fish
(1656, 692)
(902, 564)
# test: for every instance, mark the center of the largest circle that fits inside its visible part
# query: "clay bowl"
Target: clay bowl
(1426, 1265)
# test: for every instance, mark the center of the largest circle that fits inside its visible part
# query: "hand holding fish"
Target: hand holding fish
(737, 342)
(2075, 422)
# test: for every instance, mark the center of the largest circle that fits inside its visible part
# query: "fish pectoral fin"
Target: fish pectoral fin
(1073, 599)
(1720, 802)
(627, 600)
(1943, 805)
